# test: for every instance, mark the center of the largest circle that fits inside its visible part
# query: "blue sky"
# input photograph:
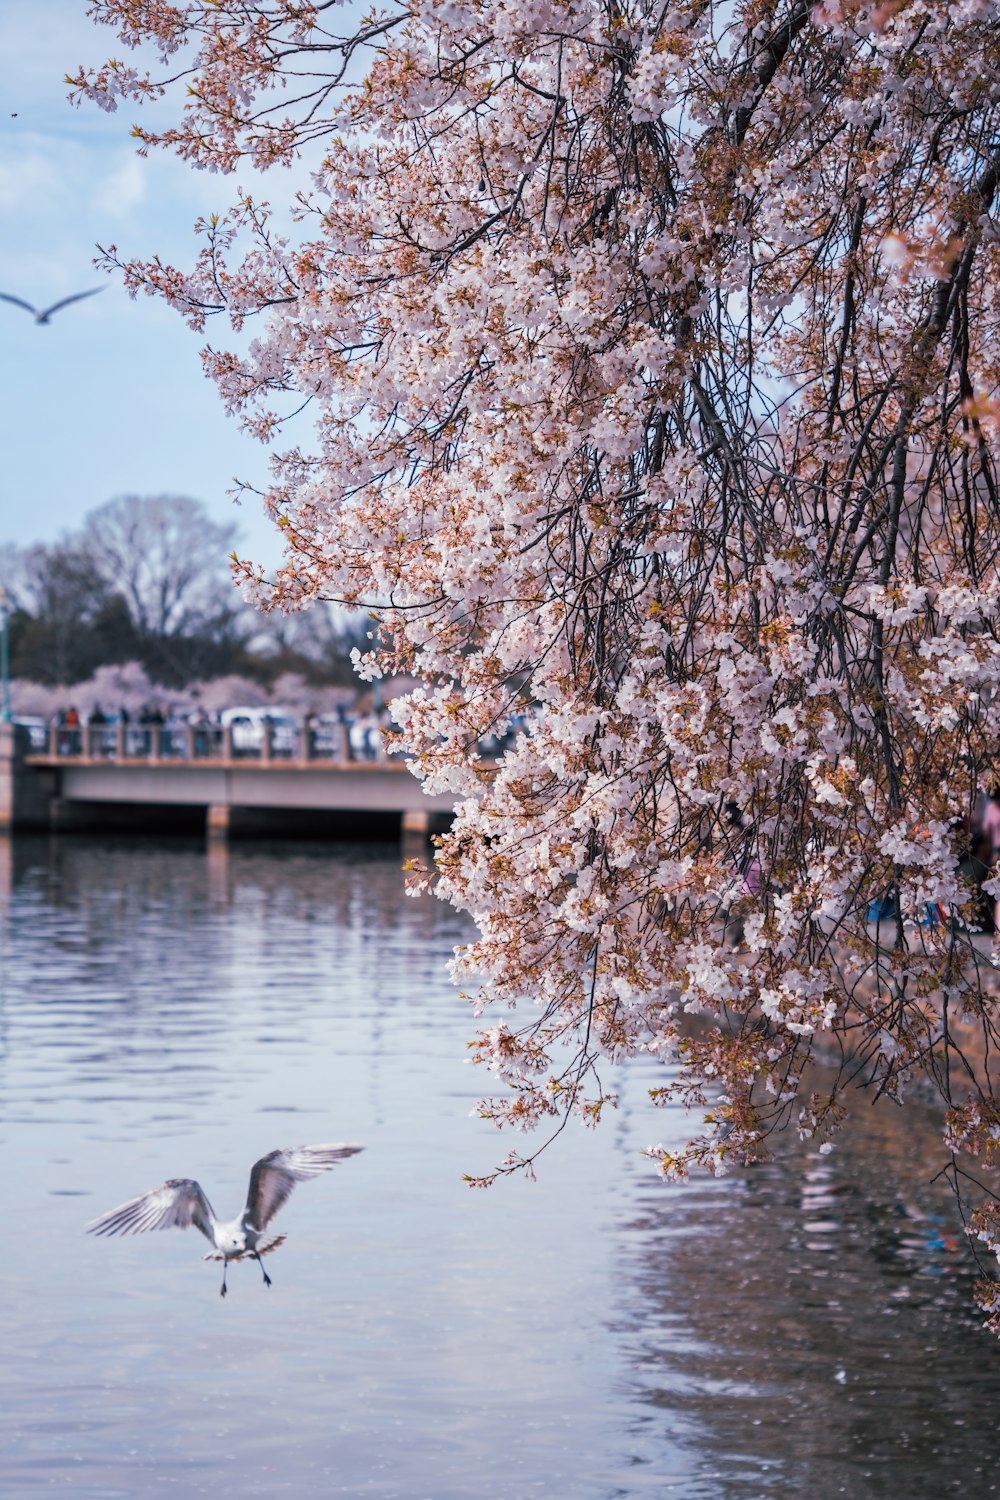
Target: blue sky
(110, 398)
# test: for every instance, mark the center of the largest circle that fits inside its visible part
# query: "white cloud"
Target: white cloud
(25, 177)
(124, 188)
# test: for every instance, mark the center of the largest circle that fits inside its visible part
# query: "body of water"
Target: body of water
(802, 1329)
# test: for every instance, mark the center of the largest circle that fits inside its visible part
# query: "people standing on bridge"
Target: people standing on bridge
(72, 724)
(988, 819)
(310, 724)
(150, 723)
(986, 822)
(125, 719)
(96, 721)
(174, 734)
(198, 723)
(974, 869)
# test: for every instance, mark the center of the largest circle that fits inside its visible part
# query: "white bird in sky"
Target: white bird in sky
(43, 314)
(180, 1202)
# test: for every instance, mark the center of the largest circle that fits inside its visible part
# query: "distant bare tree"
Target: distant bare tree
(167, 557)
(67, 617)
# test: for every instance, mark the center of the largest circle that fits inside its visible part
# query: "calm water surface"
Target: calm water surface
(802, 1330)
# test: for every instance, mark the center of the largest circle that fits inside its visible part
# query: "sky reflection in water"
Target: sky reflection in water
(797, 1330)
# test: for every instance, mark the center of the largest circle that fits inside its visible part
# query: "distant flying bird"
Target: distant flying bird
(180, 1202)
(43, 314)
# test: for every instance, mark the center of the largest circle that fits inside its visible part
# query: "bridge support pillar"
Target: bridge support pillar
(72, 817)
(8, 775)
(217, 822)
(416, 825)
(24, 793)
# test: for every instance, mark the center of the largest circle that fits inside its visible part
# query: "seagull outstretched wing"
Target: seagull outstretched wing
(76, 297)
(19, 302)
(177, 1204)
(275, 1175)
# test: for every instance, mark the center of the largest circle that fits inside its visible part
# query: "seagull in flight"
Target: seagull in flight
(43, 314)
(180, 1202)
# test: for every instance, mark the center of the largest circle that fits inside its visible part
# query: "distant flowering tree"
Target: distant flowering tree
(654, 357)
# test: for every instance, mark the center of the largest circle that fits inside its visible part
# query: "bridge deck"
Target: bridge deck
(238, 781)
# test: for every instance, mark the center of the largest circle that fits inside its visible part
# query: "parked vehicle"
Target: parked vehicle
(247, 727)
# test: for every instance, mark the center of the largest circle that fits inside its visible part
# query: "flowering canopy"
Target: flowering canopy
(654, 362)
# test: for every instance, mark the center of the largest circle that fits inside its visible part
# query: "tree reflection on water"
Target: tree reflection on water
(811, 1321)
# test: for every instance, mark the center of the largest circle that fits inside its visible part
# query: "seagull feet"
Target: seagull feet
(222, 1290)
(267, 1279)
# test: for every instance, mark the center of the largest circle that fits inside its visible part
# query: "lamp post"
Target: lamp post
(5, 715)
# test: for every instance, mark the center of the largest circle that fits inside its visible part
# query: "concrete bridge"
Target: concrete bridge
(113, 778)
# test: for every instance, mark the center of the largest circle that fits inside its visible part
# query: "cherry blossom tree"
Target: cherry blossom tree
(652, 353)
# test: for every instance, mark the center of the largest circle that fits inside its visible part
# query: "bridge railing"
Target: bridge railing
(189, 743)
